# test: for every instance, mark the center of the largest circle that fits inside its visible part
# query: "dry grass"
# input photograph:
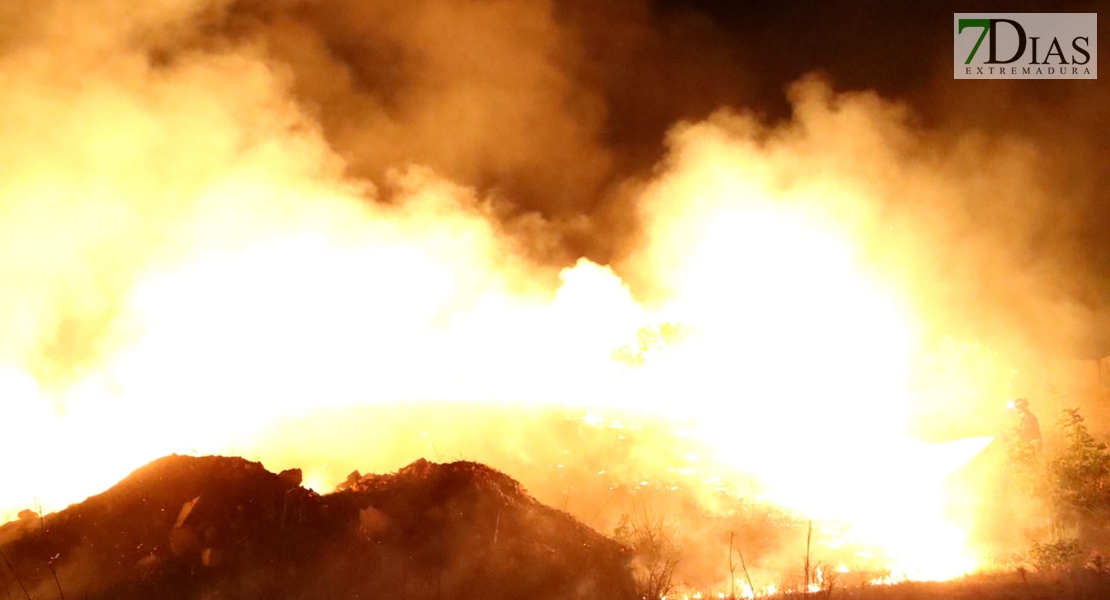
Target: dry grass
(1072, 585)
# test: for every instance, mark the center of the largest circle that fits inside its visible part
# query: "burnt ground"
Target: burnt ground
(225, 528)
(1070, 585)
(217, 527)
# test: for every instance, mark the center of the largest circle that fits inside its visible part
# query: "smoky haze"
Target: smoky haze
(552, 109)
(553, 112)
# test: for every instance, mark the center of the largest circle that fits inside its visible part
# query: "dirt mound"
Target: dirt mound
(217, 527)
(462, 526)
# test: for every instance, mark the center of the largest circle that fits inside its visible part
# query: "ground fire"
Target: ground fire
(264, 248)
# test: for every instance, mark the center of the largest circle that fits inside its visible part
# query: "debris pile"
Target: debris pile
(218, 527)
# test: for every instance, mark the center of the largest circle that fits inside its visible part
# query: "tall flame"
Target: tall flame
(185, 270)
(794, 368)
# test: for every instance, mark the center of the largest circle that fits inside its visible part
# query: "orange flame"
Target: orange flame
(273, 287)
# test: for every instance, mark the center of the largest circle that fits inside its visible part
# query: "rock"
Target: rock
(292, 477)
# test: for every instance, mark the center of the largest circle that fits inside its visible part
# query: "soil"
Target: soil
(221, 527)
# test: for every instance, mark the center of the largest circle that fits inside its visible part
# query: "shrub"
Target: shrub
(1079, 477)
(655, 554)
(1073, 486)
(1059, 554)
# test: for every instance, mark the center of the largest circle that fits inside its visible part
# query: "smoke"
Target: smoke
(546, 111)
(216, 216)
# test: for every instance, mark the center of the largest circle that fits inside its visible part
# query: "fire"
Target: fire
(192, 297)
(794, 367)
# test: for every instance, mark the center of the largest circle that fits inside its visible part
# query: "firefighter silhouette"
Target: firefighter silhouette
(1028, 430)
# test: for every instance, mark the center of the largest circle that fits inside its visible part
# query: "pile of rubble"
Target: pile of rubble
(217, 527)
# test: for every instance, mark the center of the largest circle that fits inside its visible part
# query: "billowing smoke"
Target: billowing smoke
(217, 218)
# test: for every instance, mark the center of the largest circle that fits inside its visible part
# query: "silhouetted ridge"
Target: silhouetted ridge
(217, 527)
